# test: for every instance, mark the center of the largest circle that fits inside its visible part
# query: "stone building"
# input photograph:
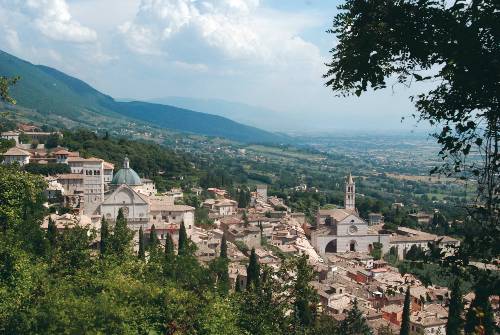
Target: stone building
(343, 230)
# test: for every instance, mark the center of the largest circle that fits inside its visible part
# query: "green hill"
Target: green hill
(71, 102)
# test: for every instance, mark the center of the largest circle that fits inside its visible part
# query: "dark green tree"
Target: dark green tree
(183, 240)
(305, 296)
(142, 254)
(52, 233)
(456, 308)
(355, 322)
(122, 236)
(237, 285)
(169, 264)
(405, 322)
(253, 271)
(104, 242)
(223, 247)
(479, 318)
(153, 238)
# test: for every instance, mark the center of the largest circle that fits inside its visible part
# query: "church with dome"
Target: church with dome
(141, 205)
(343, 230)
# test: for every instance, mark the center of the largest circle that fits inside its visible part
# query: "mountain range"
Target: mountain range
(65, 100)
(251, 115)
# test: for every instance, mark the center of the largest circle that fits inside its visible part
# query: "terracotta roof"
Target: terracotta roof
(338, 214)
(392, 309)
(61, 152)
(108, 166)
(81, 159)
(16, 152)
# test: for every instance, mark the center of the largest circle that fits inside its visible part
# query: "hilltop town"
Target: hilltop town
(353, 257)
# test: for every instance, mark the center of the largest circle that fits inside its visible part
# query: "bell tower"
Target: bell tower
(350, 194)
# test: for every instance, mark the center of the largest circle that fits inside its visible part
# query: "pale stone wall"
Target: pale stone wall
(361, 242)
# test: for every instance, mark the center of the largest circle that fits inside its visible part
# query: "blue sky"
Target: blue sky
(268, 53)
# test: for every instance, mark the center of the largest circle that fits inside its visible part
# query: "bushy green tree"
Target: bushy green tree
(437, 42)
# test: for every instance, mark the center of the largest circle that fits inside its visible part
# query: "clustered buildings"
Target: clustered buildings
(339, 245)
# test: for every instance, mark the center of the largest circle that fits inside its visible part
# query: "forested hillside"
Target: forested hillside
(62, 99)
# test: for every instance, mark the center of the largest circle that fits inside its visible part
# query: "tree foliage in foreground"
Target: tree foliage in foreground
(453, 45)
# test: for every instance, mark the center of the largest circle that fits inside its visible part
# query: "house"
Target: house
(428, 322)
(250, 235)
(92, 170)
(359, 275)
(16, 155)
(108, 172)
(405, 238)
(397, 205)
(375, 219)
(223, 207)
(10, 135)
(393, 314)
(421, 218)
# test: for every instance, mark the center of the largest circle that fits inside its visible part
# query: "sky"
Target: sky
(268, 53)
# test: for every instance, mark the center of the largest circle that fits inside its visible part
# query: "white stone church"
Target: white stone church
(343, 230)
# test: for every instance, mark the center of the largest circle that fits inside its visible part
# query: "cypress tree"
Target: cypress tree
(237, 285)
(405, 323)
(169, 248)
(454, 323)
(479, 318)
(52, 233)
(245, 219)
(223, 268)
(168, 268)
(253, 271)
(223, 247)
(153, 238)
(142, 254)
(183, 239)
(122, 236)
(303, 293)
(104, 243)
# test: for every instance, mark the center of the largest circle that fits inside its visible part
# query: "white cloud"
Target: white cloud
(12, 39)
(229, 29)
(53, 19)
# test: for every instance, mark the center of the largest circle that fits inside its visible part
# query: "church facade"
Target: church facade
(343, 230)
(140, 204)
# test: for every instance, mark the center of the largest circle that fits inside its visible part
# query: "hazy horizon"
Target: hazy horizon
(268, 54)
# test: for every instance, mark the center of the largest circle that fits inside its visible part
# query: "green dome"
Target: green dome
(126, 175)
